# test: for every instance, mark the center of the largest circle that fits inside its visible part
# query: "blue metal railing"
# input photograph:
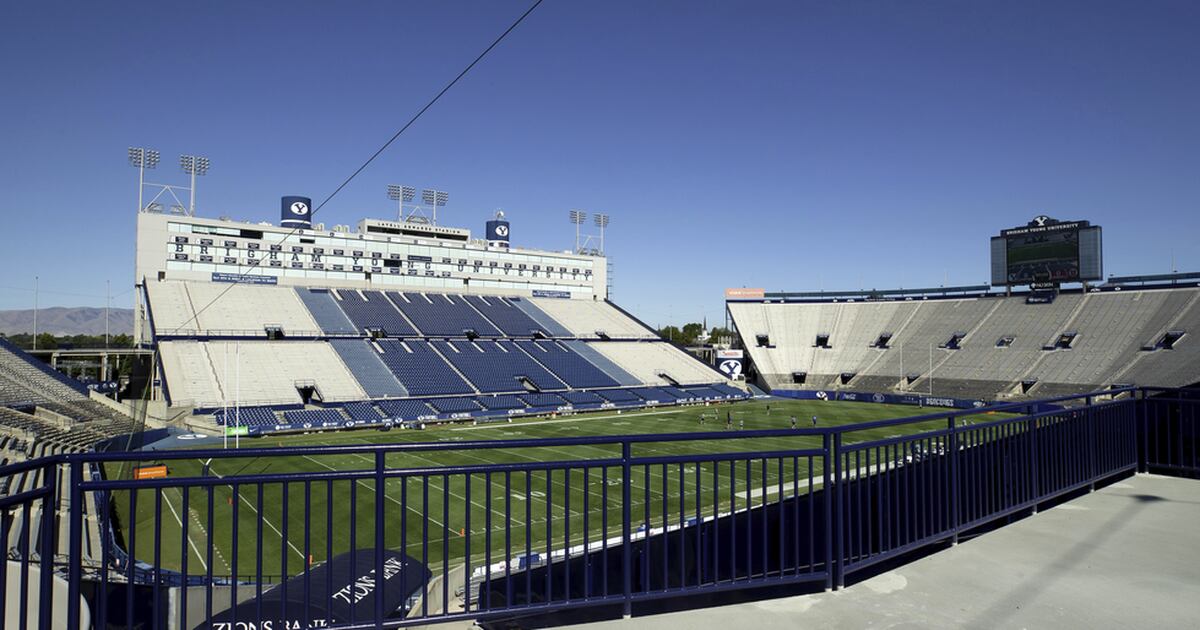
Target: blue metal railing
(559, 523)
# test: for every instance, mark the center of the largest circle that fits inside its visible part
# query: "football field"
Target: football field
(552, 498)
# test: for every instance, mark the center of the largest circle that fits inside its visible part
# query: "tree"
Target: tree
(718, 334)
(691, 333)
(671, 333)
(46, 341)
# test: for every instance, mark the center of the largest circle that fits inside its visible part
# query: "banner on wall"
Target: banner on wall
(729, 363)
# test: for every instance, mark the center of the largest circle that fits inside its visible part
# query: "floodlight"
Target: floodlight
(434, 197)
(143, 158)
(601, 220)
(399, 193)
(578, 217)
(194, 164)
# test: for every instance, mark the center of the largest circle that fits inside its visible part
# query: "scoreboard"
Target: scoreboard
(1047, 251)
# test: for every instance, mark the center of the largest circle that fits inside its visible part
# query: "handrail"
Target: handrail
(954, 476)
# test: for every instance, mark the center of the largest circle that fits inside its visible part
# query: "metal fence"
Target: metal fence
(414, 533)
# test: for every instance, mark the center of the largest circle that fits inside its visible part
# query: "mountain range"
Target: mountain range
(58, 320)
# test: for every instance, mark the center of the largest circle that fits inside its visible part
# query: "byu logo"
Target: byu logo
(878, 398)
(1041, 220)
(822, 396)
(501, 230)
(300, 208)
(731, 368)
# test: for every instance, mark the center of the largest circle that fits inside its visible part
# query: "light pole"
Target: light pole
(434, 199)
(401, 195)
(193, 165)
(142, 159)
(577, 217)
(601, 222)
(35, 311)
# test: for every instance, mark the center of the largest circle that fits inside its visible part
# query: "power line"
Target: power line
(377, 153)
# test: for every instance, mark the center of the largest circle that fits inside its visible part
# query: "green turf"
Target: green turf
(554, 517)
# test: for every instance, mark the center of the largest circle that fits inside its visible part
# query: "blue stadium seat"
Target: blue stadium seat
(706, 393)
(538, 315)
(453, 405)
(405, 409)
(368, 368)
(581, 398)
(314, 417)
(653, 393)
(497, 366)
(510, 319)
(572, 368)
(362, 412)
(603, 363)
(728, 390)
(543, 400)
(247, 416)
(676, 392)
(325, 312)
(373, 310)
(619, 396)
(499, 403)
(443, 315)
(420, 370)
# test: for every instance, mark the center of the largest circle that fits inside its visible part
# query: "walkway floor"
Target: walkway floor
(1126, 556)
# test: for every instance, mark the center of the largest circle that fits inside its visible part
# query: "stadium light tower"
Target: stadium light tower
(193, 165)
(401, 195)
(577, 217)
(601, 222)
(434, 199)
(142, 159)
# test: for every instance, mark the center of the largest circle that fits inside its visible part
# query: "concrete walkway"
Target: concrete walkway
(1126, 556)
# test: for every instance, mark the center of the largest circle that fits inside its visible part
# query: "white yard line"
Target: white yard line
(179, 520)
(451, 493)
(216, 550)
(364, 485)
(264, 519)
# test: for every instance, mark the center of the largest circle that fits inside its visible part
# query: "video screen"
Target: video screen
(1043, 257)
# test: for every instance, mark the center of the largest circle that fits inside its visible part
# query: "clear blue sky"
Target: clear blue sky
(788, 145)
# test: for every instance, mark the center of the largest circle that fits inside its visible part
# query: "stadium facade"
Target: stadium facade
(299, 327)
(964, 346)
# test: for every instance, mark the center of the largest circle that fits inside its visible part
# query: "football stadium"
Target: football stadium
(399, 423)
(406, 422)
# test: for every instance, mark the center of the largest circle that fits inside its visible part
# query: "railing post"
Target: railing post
(74, 572)
(827, 491)
(626, 534)
(1089, 416)
(952, 426)
(380, 492)
(1141, 434)
(46, 605)
(840, 521)
(1036, 492)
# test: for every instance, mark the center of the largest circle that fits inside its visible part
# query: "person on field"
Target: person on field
(793, 422)
(814, 422)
